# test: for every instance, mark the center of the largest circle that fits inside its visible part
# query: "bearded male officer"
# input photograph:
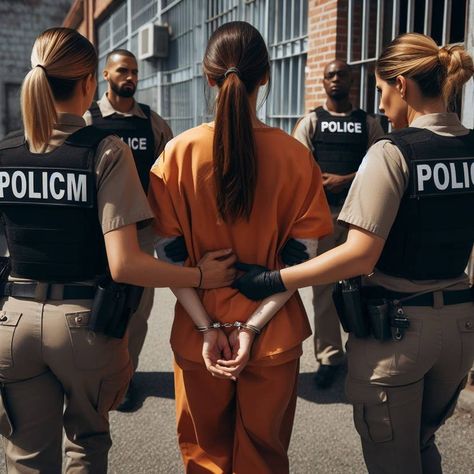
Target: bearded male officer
(146, 133)
(338, 136)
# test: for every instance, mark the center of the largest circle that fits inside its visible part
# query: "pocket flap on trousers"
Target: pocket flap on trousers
(466, 324)
(9, 318)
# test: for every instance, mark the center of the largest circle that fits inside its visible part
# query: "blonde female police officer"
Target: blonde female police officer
(67, 219)
(410, 216)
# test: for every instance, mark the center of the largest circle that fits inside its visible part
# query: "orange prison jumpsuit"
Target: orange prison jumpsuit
(245, 426)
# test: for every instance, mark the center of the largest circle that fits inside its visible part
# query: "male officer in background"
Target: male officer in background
(146, 133)
(338, 136)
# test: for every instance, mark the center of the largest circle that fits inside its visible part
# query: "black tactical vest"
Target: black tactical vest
(433, 233)
(48, 203)
(136, 133)
(340, 143)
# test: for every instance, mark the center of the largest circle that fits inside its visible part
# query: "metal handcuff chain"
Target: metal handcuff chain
(235, 324)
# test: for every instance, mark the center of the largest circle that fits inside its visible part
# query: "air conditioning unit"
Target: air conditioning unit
(152, 41)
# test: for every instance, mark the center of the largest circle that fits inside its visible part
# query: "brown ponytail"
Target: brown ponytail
(236, 59)
(60, 57)
(437, 71)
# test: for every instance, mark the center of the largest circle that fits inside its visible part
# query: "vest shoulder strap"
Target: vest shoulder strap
(360, 115)
(146, 110)
(95, 111)
(320, 112)
(13, 140)
(403, 139)
(87, 137)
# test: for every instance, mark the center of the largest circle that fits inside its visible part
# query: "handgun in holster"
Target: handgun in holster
(113, 305)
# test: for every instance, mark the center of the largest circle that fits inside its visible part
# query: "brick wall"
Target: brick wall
(327, 40)
(21, 21)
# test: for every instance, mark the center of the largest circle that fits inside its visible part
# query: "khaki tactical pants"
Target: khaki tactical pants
(403, 391)
(55, 373)
(327, 332)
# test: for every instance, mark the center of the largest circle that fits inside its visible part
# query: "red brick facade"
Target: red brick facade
(327, 40)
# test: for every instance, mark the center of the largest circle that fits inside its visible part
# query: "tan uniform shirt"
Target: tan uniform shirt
(374, 198)
(161, 131)
(306, 128)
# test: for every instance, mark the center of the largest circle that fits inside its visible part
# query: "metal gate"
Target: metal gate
(175, 86)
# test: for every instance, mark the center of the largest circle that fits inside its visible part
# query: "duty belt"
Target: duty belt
(426, 299)
(42, 291)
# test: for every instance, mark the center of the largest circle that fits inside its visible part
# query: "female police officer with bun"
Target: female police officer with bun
(410, 216)
(71, 200)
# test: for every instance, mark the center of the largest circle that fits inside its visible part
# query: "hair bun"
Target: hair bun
(444, 56)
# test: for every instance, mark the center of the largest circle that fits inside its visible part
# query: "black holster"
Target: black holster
(113, 305)
(349, 306)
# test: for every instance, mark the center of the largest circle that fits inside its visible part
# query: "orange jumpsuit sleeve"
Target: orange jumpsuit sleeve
(166, 223)
(314, 217)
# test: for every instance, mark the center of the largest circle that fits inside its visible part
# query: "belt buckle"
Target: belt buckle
(42, 291)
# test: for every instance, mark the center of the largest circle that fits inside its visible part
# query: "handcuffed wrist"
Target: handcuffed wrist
(236, 324)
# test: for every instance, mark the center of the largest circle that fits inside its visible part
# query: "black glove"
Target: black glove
(176, 250)
(293, 252)
(259, 282)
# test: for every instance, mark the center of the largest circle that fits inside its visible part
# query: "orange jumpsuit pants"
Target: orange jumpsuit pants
(237, 427)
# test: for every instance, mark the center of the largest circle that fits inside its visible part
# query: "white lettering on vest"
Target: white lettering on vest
(136, 143)
(436, 176)
(341, 127)
(4, 182)
(423, 174)
(44, 178)
(31, 186)
(76, 190)
(19, 176)
(444, 176)
(56, 194)
(455, 184)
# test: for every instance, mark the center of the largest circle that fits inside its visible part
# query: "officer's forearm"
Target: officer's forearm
(129, 264)
(357, 256)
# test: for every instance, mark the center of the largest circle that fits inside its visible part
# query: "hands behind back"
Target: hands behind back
(226, 357)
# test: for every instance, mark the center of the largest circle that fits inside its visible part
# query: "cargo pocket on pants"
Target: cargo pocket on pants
(371, 413)
(466, 331)
(8, 323)
(6, 425)
(112, 389)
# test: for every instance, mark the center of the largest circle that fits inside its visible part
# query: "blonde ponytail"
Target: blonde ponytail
(60, 57)
(437, 71)
(37, 107)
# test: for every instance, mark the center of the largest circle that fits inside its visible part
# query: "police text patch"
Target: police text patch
(443, 176)
(69, 187)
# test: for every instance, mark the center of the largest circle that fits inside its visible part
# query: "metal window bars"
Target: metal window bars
(175, 84)
(385, 19)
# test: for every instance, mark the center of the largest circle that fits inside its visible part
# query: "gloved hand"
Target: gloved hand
(293, 252)
(259, 282)
(176, 250)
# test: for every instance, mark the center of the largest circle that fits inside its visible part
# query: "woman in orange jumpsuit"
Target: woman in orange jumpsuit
(237, 183)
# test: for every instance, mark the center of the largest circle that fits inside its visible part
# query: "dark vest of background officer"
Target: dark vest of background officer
(338, 135)
(146, 133)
